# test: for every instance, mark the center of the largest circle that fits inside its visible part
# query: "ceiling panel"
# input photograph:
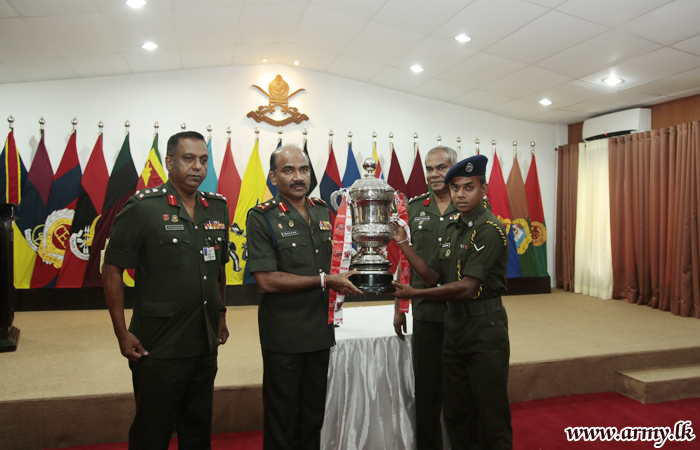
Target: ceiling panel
(674, 83)
(548, 3)
(667, 24)
(570, 93)
(609, 13)
(477, 99)
(691, 45)
(364, 9)
(38, 8)
(518, 109)
(121, 6)
(534, 41)
(309, 58)
(398, 79)
(381, 43)
(220, 24)
(557, 116)
(481, 69)
(133, 28)
(488, 21)
(193, 58)
(597, 53)
(153, 61)
(6, 76)
(440, 90)
(19, 41)
(77, 35)
(268, 24)
(97, 65)
(526, 81)
(434, 55)
(421, 17)
(327, 30)
(198, 4)
(611, 102)
(6, 10)
(255, 53)
(40, 69)
(354, 69)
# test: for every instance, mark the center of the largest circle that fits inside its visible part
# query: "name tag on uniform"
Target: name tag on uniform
(421, 218)
(289, 233)
(174, 227)
(446, 245)
(209, 253)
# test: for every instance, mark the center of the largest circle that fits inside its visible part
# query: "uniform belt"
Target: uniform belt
(472, 309)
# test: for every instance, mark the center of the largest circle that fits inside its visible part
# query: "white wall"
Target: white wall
(221, 97)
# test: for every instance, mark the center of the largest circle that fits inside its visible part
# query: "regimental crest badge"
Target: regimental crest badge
(279, 96)
(56, 237)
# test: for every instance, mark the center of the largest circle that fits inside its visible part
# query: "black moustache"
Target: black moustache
(298, 184)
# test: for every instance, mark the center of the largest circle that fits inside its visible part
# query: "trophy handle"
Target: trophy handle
(334, 197)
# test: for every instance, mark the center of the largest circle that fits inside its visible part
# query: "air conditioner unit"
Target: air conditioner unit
(635, 120)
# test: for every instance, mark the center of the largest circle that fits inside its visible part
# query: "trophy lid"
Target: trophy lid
(370, 187)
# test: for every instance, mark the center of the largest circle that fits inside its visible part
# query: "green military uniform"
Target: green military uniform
(176, 314)
(427, 226)
(476, 348)
(295, 335)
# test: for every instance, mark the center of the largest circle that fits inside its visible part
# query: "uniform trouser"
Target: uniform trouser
(294, 399)
(172, 392)
(475, 363)
(427, 369)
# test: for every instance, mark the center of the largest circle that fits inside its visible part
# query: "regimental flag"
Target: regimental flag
(55, 239)
(538, 226)
(29, 226)
(416, 181)
(398, 182)
(271, 189)
(312, 179)
(93, 188)
(121, 186)
(252, 192)
(230, 188)
(352, 173)
(13, 172)
(498, 200)
(378, 172)
(210, 183)
(330, 182)
(520, 222)
(153, 173)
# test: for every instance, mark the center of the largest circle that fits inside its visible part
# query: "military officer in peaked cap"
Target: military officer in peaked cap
(289, 251)
(176, 238)
(428, 215)
(468, 270)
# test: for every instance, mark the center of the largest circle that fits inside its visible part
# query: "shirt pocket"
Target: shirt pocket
(158, 309)
(421, 233)
(174, 247)
(294, 256)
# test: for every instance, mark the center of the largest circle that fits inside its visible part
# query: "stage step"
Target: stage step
(659, 384)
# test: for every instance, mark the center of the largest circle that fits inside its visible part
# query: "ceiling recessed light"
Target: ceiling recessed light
(149, 46)
(264, 60)
(296, 63)
(545, 102)
(462, 38)
(613, 81)
(416, 68)
(136, 3)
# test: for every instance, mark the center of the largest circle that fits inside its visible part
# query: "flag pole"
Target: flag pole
(127, 124)
(42, 121)
(74, 122)
(515, 149)
(155, 128)
(11, 121)
(100, 125)
(477, 142)
(257, 134)
(330, 141)
(493, 147)
(349, 137)
(415, 144)
(228, 133)
(532, 147)
(183, 126)
(459, 146)
(279, 140)
(439, 139)
(209, 130)
(304, 132)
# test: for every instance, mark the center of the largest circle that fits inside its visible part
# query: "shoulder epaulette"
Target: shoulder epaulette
(419, 197)
(213, 195)
(503, 235)
(318, 200)
(262, 206)
(151, 192)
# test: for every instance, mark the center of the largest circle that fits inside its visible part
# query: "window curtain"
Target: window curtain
(593, 273)
(567, 186)
(654, 202)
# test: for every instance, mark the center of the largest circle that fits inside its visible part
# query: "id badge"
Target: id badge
(209, 254)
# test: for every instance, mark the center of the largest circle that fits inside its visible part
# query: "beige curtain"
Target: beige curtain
(567, 186)
(593, 274)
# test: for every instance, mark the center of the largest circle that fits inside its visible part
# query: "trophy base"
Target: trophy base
(372, 280)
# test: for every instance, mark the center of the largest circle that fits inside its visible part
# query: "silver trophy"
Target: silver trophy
(370, 204)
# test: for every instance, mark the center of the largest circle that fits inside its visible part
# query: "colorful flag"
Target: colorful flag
(416, 181)
(538, 226)
(252, 192)
(55, 238)
(230, 188)
(378, 172)
(153, 173)
(13, 172)
(395, 178)
(352, 173)
(498, 200)
(313, 182)
(520, 222)
(121, 186)
(272, 190)
(29, 225)
(93, 188)
(210, 183)
(330, 182)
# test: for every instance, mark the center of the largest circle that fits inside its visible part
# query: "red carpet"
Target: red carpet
(540, 424)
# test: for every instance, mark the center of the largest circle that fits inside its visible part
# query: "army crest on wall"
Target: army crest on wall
(279, 96)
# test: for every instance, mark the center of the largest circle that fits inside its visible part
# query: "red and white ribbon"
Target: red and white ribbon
(401, 218)
(340, 261)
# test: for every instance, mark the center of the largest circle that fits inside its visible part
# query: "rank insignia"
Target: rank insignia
(204, 202)
(283, 207)
(426, 202)
(166, 217)
(325, 225)
(172, 200)
(291, 224)
(470, 223)
(174, 218)
(280, 226)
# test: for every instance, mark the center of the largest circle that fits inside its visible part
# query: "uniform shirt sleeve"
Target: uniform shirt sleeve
(485, 251)
(434, 261)
(224, 247)
(262, 255)
(126, 237)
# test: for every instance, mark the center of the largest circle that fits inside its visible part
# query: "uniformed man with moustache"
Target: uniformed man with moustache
(468, 271)
(289, 254)
(176, 238)
(428, 215)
